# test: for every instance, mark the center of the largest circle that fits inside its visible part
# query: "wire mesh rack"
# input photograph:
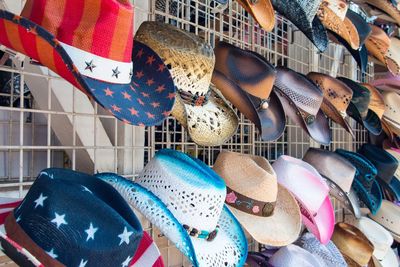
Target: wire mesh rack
(51, 124)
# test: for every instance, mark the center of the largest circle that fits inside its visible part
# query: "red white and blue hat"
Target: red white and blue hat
(74, 219)
(90, 44)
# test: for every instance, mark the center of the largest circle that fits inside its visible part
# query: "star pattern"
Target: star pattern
(59, 219)
(155, 104)
(40, 200)
(90, 65)
(149, 115)
(150, 82)
(140, 53)
(83, 263)
(90, 232)
(161, 68)
(124, 236)
(134, 112)
(150, 60)
(160, 89)
(86, 189)
(127, 96)
(144, 94)
(116, 72)
(116, 108)
(52, 254)
(171, 96)
(108, 92)
(139, 74)
(127, 261)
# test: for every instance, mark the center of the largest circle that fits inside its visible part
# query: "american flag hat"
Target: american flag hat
(74, 219)
(90, 44)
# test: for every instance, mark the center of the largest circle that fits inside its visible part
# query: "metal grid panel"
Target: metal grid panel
(31, 138)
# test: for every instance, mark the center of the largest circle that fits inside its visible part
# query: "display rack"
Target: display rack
(54, 125)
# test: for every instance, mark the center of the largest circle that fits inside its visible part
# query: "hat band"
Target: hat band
(202, 234)
(249, 205)
(99, 68)
(196, 100)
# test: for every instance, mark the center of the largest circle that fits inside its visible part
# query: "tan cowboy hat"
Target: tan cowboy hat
(378, 43)
(199, 106)
(387, 7)
(265, 209)
(393, 56)
(262, 11)
(392, 111)
(376, 104)
(332, 14)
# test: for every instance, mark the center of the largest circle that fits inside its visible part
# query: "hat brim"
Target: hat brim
(371, 121)
(319, 130)
(131, 103)
(387, 84)
(373, 199)
(262, 11)
(225, 247)
(329, 109)
(270, 122)
(348, 200)
(393, 125)
(314, 30)
(393, 187)
(281, 228)
(209, 125)
(322, 223)
(387, 7)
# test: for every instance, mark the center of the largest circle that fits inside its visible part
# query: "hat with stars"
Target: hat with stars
(74, 219)
(185, 199)
(92, 48)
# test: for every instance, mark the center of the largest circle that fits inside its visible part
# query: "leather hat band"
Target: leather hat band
(249, 205)
(197, 100)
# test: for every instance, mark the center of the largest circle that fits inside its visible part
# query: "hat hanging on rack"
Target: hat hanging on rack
(199, 106)
(262, 11)
(103, 62)
(184, 198)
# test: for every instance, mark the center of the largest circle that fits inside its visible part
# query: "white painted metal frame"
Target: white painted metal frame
(82, 136)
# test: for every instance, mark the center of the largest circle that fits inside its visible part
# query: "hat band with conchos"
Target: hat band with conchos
(249, 205)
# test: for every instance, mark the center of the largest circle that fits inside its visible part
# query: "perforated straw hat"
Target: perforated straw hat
(199, 106)
(268, 211)
(184, 198)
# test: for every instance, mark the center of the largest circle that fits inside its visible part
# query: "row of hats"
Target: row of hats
(167, 70)
(73, 219)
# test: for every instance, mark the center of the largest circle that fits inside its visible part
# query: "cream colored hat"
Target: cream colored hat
(397, 156)
(199, 106)
(393, 56)
(265, 209)
(392, 111)
(389, 217)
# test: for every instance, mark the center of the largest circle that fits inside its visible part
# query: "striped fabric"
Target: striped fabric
(101, 27)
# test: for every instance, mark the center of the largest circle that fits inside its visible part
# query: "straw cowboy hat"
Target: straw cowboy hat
(378, 43)
(354, 245)
(388, 216)
(61, 222)
(392, 110)
(365, 183)
(199, 106)
(337, 96)
(293, 256)
(386, 6)
(265, 209)
(302, 13)
(302, 100)
(184, 198)
(311, 192)
(262, 11)
(246, 79)
(332, 14)
(95, 52)
(339, 175)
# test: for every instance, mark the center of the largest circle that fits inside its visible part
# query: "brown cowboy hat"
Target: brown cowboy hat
(332, 14)
(246, 79)
(302, 100)
(378, 43)
(262, 11)
(337, 96)
(387, 7)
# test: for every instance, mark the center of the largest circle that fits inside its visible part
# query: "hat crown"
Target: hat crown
(251, 176)
(191, 190)
(339, 7)
(78, 217)
(189, 58)
(100, 27)
(392, 104)
(293, 255)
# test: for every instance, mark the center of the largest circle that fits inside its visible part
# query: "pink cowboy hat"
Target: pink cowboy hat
(389, 82)
(311, 192)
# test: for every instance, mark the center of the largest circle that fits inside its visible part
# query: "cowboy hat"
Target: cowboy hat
(337, 96)
(332, 14)
(386, 6)
(392, 105)
(328, 254)
(377, 44)
(246, 79)
(293, 256)
(363, 30)
(311, 192)
(97, 61)
(376, 103)
(389, 82)
(388, 216)
(302, 100)
(339, 175)
(353, 244)
(393, 56)
(184, 198)
(265, 209)
(365, 184)
(199, 107)
(262, 11)
(61, 222)
(302, 13)
(359, 107)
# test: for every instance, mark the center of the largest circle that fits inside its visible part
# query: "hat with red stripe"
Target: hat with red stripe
(74, 219)
(90, 44)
